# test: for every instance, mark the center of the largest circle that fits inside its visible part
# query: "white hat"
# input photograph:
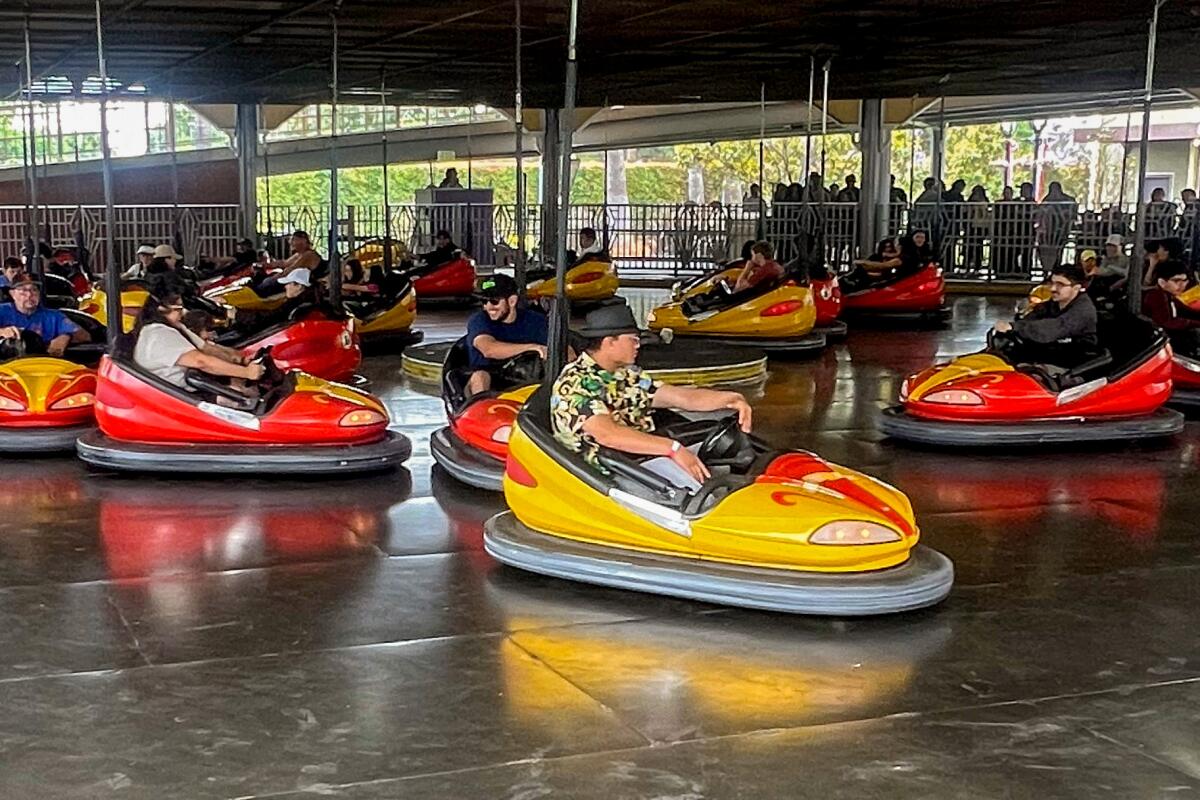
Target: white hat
(166, 251)
(1115, 239)
(300, 276)
(145, 250)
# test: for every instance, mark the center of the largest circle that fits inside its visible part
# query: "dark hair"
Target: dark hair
(588, 232)
(356, 270)
(13, 261)
(747, 248)
(1072, 272)
(1165, 270)
(883, 243)
(153, 309)
(442, 234)
(301, 235)
(1171, 244)
(763, 249)
(197, 321)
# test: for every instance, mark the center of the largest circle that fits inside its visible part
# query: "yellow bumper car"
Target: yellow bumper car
(592, 281)
(776, 530)
(241, 295)
(779, 317)
(387, 320)
(133, 297)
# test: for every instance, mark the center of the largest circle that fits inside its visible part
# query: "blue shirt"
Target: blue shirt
(530, 327)
(45, 322)
(4, 281)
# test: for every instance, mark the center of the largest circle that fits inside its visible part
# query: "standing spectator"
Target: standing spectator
(1187, 230)
(1055, 214)
(1025, 242)
(1005, 235)
(816, 188)
(950, 230)
(925, 207)
(1160, 216)
(978, 228)
(897, 200)
(851, 193)
(752, 200)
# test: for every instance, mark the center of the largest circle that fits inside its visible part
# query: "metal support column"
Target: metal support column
(247, 154)
(876, 143)
(549, 179)
(938, 135)
(1139, 235)
(112, 270)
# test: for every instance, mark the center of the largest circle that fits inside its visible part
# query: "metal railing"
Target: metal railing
(1018, 241)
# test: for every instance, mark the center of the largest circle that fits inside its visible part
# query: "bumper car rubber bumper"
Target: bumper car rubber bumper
(267, 461)
(1188, 399)
(924, 580)
(465, 463)
(796, 345)
(898, 424)
(835, 331)
(936, 316)
(42, 440)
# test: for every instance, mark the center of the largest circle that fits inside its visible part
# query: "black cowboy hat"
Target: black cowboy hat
(609, 320)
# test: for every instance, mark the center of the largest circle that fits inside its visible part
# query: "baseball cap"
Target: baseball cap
(166, 251)
(25, 279)
(145, 250)
(1115, 239)
(495, 286)
(1087, 254)
(300, 276)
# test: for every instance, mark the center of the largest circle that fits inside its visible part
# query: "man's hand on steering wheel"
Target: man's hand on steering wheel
(10, 332)
(1003, 326)
(745, 415)
(540, 349)
(690, 462)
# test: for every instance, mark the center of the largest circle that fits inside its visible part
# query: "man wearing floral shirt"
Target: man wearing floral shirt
(602, 399)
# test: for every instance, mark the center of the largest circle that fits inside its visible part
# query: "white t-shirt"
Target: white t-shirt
(158, 349)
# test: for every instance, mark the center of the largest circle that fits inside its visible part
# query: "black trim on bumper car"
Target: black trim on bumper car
(898, 424)
(924, 580)
(466, 463)
(266, 461)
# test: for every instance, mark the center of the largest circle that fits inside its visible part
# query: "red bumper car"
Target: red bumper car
(298, 424)
(1185, 377)
(454, 280)
(992, 399)
(827, 297)
(918, 296)
(474, 446)
(311, 341)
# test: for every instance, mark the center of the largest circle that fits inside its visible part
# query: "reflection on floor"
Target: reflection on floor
(221, 639)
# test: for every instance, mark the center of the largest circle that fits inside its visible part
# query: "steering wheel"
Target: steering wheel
(272, 374)
(723, 442)
(523, 368)
(1005, 345)
(12, 348)
(210, 307)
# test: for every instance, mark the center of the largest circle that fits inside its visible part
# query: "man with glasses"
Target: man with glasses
(602, 399)
(26, 313)
(501, 330)
(1062, 331)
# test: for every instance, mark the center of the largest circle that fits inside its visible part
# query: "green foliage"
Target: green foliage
(730, 167)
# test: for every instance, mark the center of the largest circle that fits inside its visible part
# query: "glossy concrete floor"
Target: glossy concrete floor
(216, 639)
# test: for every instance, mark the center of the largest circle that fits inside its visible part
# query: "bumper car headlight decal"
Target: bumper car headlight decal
(502, 433)
(74, 401)
(954, 397)
(361, 417)
(8, 404)
(853, 532)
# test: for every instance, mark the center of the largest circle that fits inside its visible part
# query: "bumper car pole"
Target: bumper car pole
(519, 154)
(561, 311)
(387, 205)
(112, 272)
(335, 266)
(30, 143)
(1139, 229)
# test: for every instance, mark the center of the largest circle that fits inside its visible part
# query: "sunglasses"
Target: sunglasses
(494, 301)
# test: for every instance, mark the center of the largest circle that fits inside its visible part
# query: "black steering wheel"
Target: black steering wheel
(523, 368)
(723, 442)
(13, 348)
(1005, 345)
(272, 374)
